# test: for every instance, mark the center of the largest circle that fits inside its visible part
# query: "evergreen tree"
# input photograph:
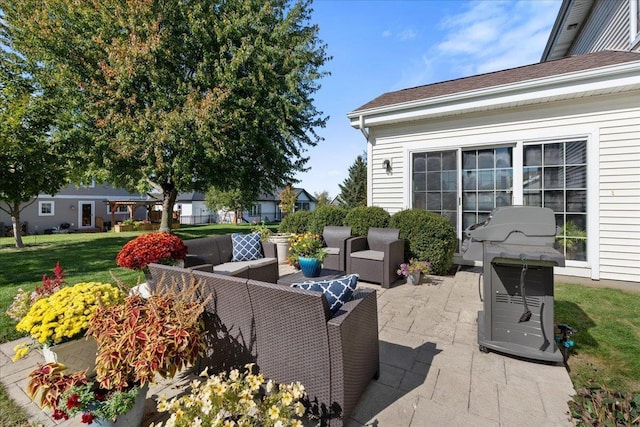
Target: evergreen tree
(354, 188)
(322, 198)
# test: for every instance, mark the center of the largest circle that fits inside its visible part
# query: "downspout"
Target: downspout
(362, 129)
(633, 28)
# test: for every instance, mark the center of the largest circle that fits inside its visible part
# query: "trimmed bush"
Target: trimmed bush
(362, 218)
(297, 222)
(326, 215)
(428, 237)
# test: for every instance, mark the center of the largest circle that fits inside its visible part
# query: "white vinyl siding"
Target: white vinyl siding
(609, 124)
(606, 29)
(620, 199)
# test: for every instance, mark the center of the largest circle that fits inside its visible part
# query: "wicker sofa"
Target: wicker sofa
(214, 254)
(291, 336)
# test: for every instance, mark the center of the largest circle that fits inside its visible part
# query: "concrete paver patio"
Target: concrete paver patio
(431, 370)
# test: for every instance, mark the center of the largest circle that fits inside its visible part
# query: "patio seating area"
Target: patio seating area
(431, 370)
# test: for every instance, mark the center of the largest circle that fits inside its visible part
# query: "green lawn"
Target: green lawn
(607, 320)
(607, 344)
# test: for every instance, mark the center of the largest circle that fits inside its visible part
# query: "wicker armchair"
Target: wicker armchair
(335, 239)
(291, 336)
(376, 256)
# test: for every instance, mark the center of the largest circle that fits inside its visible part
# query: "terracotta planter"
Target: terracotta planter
(76, 355)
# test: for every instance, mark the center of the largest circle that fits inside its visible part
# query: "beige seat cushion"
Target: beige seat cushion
(332, 251)
(374, 255)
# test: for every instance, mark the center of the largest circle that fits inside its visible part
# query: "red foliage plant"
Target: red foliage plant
(162, 248)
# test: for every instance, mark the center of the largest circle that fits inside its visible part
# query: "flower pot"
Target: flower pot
(76, 355)
(310, 267)
(133, 417)
(413, 278)
(282, 243)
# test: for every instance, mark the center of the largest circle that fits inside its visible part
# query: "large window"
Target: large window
(487, 182)
(435, 183)
(555, 176)
(256, 210)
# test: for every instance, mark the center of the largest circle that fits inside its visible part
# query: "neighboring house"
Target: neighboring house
(192, 209)
(563, 133)
(267, 208)
(82, 207)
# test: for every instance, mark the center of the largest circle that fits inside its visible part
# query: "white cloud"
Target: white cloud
(486, 36)
(387, 33)
(407, 34)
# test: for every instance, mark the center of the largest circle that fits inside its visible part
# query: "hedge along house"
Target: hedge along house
(563, 133)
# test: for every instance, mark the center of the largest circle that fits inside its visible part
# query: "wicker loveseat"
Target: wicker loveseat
(215, 254)
(291, 336)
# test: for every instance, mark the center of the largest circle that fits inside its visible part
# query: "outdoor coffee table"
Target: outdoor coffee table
(298, 277)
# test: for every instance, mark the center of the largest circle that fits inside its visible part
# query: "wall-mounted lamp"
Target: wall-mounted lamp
(386, 165)
(73, 207)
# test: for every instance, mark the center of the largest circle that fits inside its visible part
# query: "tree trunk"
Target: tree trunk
(169, 194)
(15, 222)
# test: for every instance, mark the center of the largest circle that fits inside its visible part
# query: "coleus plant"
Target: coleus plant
(160, 334)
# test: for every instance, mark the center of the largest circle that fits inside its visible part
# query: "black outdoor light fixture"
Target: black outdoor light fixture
(386, 165)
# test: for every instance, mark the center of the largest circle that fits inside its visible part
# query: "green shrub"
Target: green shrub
(297, 222)
(362, 218)
(326, 215)
(428, 237)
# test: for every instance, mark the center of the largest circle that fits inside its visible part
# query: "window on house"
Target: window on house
(256, 210)
(46, 208)
(487, 183)
(555, 176)
(121, 209)
(435, 183)
(302, 206)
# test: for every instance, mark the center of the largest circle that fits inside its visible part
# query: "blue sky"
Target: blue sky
(384, 45)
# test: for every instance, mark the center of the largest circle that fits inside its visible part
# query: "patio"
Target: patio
(431, 370)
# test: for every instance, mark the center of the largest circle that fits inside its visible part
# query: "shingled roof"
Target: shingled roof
(498, 78)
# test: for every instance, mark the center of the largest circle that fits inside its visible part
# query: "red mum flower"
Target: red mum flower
(87, 418)
(59, 415)
(151, 248)
(73, 401)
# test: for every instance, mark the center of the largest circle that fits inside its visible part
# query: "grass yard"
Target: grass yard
(607, 343)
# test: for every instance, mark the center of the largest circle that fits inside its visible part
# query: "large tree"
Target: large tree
(36, 142)
(185, 94)
(353, 190)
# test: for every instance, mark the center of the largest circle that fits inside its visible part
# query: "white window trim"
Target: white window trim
(53, 208)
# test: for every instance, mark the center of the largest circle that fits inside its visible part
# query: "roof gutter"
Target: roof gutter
(557, 28)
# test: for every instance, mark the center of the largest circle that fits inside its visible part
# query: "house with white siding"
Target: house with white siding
(563, 133)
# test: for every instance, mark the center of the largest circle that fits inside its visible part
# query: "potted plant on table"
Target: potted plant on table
(306, 250)
(136, 340)
(159, 248)
(413, 269)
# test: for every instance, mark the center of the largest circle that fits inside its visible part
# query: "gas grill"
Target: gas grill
(515, 245)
